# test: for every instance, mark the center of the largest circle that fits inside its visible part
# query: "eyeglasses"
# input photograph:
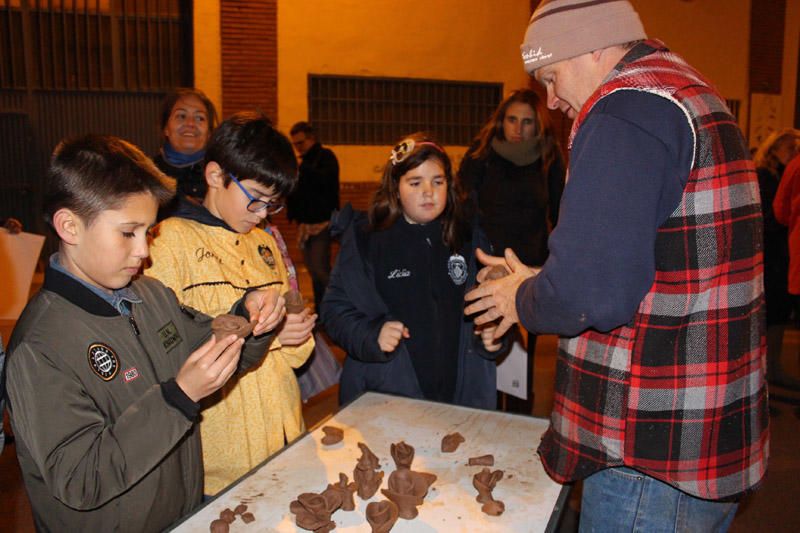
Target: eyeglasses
(255, 205)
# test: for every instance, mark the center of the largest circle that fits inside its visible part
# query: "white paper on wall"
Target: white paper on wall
(18, 255)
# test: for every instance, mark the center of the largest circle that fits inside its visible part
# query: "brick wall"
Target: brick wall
(249, 56)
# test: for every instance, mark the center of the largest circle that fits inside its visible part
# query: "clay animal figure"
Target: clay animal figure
(345, 490)
(485, 482)
(451, 442)
(366, 474)
(313, 511)
(224, 325)
(332, 436)
(403, 454)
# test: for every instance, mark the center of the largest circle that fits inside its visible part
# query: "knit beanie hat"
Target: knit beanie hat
(561, 29)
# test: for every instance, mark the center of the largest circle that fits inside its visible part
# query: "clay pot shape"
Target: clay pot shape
(407, 489)
(403, 455)
(313, 511)
(382, 515)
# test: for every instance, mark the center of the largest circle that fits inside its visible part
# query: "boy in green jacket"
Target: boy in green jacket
(104, 373)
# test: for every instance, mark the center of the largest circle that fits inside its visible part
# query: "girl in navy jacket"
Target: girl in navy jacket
(396, 296)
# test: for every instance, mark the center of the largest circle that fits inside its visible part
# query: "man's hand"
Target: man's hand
(267, 308)
(390, 335)
(209, 367)
(297, 327)
(496, 299)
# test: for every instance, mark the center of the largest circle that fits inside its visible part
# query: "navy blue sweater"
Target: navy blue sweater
(628, 167)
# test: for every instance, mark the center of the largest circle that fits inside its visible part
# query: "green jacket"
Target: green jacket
(105, 439)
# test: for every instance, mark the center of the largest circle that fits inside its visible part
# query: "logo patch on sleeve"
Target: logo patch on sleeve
(130, 375)
(169, 336)
(103, 361)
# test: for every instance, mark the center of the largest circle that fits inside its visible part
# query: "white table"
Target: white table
(378, 420)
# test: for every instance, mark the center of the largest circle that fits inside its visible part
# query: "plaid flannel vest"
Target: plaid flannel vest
(679, 392)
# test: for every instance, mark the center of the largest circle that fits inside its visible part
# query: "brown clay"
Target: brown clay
(240, 509)
(225, 325)
(294, 301)
(403, 454)
(485, 482)
(407, 489)
(248, 517)
(313, 511)
(346, 491)
(332, 435)
(493, 507)
(219, 526)
(227, 515)
(382, 515)
(451, 442)
(496, 272)
(483, 460)
(366, 476)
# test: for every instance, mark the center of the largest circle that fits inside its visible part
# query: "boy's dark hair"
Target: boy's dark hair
(386, 207)
(93, 173)
(172, 98)
(305, 128)
(247, 146)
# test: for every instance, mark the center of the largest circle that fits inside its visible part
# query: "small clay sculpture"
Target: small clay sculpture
(485, 482)
(451, 442)
(346, 491)
(227, 515)
(240, 509)
(496, 272)
(403, 455)
(483, 460)
(294, 301)
(368, 479)
(219, 526)
(248, 517)
(313, 511)
(407, 489)
(332, 435)
(382, 515)
(225, 325)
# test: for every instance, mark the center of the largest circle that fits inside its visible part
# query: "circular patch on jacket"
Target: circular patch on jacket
(267, 255)
(104, 361)
(457, 268)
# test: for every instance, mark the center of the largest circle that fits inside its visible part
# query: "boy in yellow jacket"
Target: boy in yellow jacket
(212, 254)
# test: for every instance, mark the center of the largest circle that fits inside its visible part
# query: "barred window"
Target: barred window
(378, 111)
(94, 44)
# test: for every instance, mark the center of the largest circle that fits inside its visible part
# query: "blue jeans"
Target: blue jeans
(622, 499)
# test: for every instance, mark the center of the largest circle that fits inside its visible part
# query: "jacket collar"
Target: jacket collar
(76, 293)
(198, 213)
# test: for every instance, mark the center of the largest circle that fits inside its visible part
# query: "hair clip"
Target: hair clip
(402, 150)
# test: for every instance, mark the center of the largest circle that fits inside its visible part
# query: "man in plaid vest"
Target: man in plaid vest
(654, 281)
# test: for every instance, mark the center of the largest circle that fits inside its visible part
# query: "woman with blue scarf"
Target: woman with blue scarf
(187, 119)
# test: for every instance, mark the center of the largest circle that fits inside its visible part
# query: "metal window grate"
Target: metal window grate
(92, 44)
(378, 111)
(734, 106)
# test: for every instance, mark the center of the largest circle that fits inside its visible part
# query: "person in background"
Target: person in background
(187, 119)
(397, 290)
(211, 255)
(771, 158)
(515, 173)
(653, 283)
(312, 204)
(13, 226)
(786, 208)
(105, 369)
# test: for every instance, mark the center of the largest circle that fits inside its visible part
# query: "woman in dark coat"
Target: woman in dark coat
(187, 119)
(771, 159)
(515, 173)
